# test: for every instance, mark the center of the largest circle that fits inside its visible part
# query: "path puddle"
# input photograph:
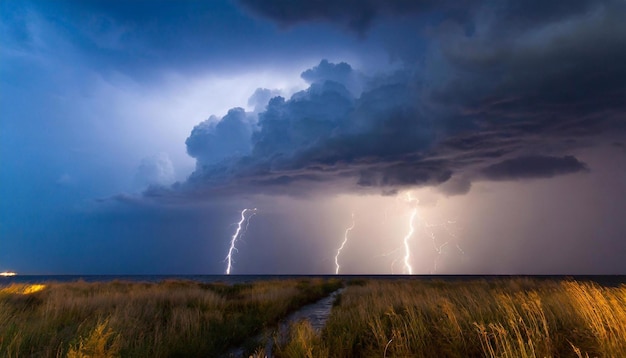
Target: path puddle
(316, 313)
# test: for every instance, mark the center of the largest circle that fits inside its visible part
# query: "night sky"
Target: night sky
(464, 137)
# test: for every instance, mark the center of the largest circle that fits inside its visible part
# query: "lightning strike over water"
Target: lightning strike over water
(442, 235)
(407, 250)
(407, 198)
(345, 240)
(238, 233)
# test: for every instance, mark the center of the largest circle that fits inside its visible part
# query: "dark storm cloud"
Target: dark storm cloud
(360, 14)
(456, 186)
(535, 166)
(509, 100)
(356, 15)
(564, 68)
(325, 133)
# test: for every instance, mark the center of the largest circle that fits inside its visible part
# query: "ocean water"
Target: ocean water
(605, 280)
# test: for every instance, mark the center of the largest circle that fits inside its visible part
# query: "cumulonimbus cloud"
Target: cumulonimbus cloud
(496, 103)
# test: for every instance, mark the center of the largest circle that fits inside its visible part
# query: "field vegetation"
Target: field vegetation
(503, 318)
(373, 318)
(130, 319)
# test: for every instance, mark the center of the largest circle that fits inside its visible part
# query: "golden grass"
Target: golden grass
(126, 319)
(101, 342)
(303, 342)
(504, 318)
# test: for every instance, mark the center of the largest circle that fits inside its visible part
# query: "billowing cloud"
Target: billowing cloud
(484, 92)
(326, 133)
(382, 140)
(327, 71)
(216, 139)
(340, 72)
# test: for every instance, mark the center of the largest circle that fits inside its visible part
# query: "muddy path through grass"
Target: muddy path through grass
(316, 314)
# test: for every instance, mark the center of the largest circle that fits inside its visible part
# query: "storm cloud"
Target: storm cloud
(352, 14)
(525, 76)
(217, 139)
(512, 110)
(533, 167)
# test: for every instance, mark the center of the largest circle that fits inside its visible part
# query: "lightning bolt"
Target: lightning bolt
(441, 235)
(407, 250)
(408, 269)
(238, 233)
(345, 239)
(429, 231)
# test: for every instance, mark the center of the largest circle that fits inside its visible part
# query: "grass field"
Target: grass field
(502, 318)
(371, 318)
(130, 319)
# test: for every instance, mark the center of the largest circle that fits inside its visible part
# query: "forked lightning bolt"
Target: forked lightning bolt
(428, 230)
(345, 239)
(238, 233)
(407, 250)
(412, 201)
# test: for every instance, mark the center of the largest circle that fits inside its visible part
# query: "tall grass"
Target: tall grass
(505, 318)
(303, 342)
(167, 319)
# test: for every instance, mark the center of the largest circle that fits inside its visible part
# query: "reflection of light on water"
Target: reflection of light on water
(7, 273)
(23, 289)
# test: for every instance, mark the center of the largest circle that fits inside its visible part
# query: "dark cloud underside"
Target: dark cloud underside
(357, 15)
(533, 167)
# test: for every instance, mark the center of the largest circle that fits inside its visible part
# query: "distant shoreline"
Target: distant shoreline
(604, 280)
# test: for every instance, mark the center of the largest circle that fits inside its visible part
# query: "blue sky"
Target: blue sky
(132, 134)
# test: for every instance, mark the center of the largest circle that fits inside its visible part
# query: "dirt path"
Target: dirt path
(316, 313)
